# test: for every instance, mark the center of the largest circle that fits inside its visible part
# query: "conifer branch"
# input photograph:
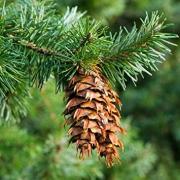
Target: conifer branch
(46, 43)
(137, 51)
(34, 47)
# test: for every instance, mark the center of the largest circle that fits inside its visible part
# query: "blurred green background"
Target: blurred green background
(37, 147)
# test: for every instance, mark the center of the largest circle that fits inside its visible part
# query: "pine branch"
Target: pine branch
(13, 87)
(34, 38)
(137, 51)
(45, 44)
(48, 42)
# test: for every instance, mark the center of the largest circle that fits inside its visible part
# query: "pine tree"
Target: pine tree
(87, 62)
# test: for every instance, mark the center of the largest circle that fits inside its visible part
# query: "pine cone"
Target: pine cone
(93, 116)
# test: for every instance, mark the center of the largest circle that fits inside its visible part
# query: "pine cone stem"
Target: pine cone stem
(92, 114)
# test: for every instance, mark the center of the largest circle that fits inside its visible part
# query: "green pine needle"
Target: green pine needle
(137, 51)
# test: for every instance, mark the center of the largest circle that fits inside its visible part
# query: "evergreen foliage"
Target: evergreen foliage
(43, 43)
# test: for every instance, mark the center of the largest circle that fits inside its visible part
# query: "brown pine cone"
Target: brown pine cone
(93, 116)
